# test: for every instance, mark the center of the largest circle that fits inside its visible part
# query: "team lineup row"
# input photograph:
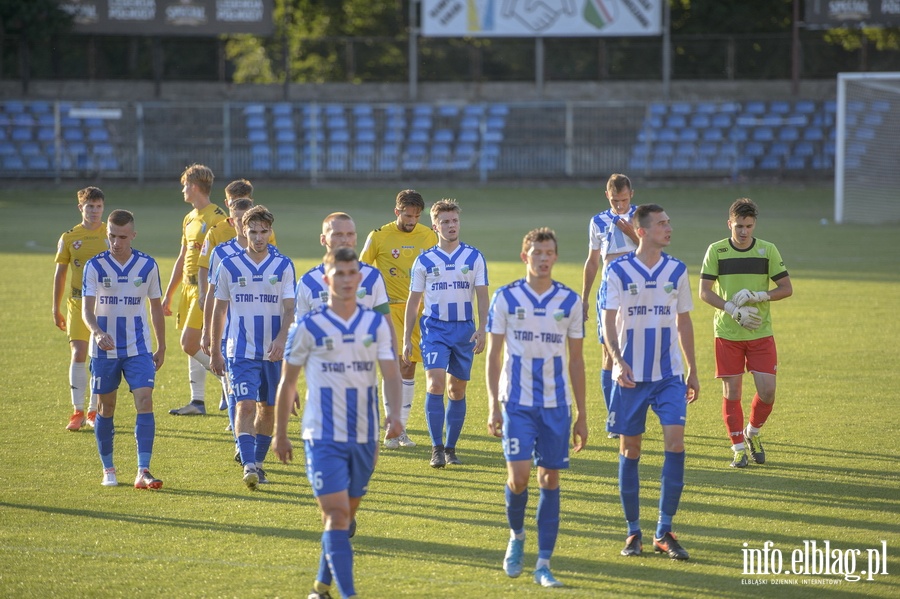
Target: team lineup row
(256, 327)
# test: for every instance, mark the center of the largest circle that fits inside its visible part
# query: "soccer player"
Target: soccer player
(610, 235)
(339, 345)
(392, 249)
(196, 183)
(235, 245)
(117, 283)
(255, 289)
(448, 277)
(734, 279)
(339, 230)
(76, 246)
(646, 316)
(539, 321)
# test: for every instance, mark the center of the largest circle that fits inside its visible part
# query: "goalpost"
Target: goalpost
(867, 148)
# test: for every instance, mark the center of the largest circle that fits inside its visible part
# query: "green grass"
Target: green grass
(832, 473)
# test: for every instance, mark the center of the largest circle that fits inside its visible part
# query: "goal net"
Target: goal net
(867, 148)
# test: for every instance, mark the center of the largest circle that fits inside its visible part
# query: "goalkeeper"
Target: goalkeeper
(734, 279)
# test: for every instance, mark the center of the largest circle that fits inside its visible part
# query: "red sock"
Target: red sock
(733, 415)
(759, 412)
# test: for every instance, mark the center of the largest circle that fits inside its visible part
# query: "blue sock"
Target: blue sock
(456, 417)
(629, 492)
(606, 385)
(547, 522)
(515, 509)
(104, 433)
(232, 413)
(340, 558)
(247, 448)
(144, 433)
(324, 574)
(434, 417)
(262, 447)
(671, 485)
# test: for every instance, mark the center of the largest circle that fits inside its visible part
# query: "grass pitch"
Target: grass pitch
(831, 474)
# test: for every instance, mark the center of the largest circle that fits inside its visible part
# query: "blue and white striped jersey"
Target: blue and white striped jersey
(537, 328)
(648, 300)
(121, 292)
(219, 253)
(340, 357)
(604, 235)
(254, 293)
(312, 292)
(449, 282)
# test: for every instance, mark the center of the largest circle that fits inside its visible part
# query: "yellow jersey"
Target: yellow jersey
(76, 246)
(219, 233)
(196, 224)
(393, 252)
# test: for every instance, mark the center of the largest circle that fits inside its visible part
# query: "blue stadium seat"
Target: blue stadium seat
(396, 122)
(712, 134)
(705, 108)
(282, 109)
(654, 122)
(873, 119)
(658, 108)
(286, 163)
(701, 163)
(464, 151)
(708, 148)
(46, 134)
(856, 106)
(755, 107)
(13, 106)
(285, 135)
(254, 109)
(104, 149)
(45, 119)
(881, 106)
(493, 136)
(804, 107)
(804, 149)
(822, 162)
(640, 149)
(37, 163)
(13, 163)
(443, 136)
(23, 133)
(682, 108)
(70, 134)
(283, 121)
(256, 121)
(332, 110)
(448, 110)
(29, 148)
(474, 110)
(688, 134)
(317, 135)
(362, 110)
(754, 149)
(667, 135)
(394, 110)
(469, 122)
(365, 135)
(700, 121)
(685, 149)
(420, 136)
(365, 122)
(663, 150)
(763, 134)
(336, 122)
(770, 163)
(421, 122)
(638, 163)
(257, 135)
(779, 148)
(788, 134)
(864, 133)
(660, 163)
(722, 120)
(98, 134)
(676, 121)
(648, 134)
(813, 134)
(745, 163)
(795, 163)
(498, 110)
(738, 134)
(779, 107)
(394, 136)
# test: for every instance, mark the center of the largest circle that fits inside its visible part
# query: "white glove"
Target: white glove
(745, 296)
(746, 316)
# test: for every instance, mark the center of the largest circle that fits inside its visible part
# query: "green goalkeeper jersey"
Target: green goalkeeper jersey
(732, 270)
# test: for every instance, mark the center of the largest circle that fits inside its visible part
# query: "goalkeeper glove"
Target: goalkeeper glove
(746, 316)
(745, 296)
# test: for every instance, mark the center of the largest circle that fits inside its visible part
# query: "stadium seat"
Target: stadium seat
(474, 110)
(738, 134)
(667, 134)
(770, 163)
(46, 134)
(282, 109)
(804, 107)
(779, 148)
(257, 135)
(685, 149)
(37, 163)
(681, 163)
(804, 149)
(24, 133)
(498, 110)
(365, 122)
(822, 163)
(13, 163)
(285, 135)
(8, 149)
(813, 134)
(712, 134)
(708, 148)
(363, 162)
(873, 119)
(688, 134)
(317, 135)
(254, 109)
(754, 149)
(676, 121)
(419, 136)
(755, 108)
(763, 134)
(464, 151)
(647, 134)
(283, 121)
(779, 107)
(721, 120)
(788, 134)
(700, 121)
(745, 163)
(365, 135)
(448, 110)
(256, 122)
(469, 122)
(638, 163)
(14, 106)
(795, 163)
(360, 110)
(663, 150)
(70, 134)
(722, 163)
(98, 134)
(660, 163)
(881, 106)
(339, 136)
(394, 110)
(493, 136)
(396, 122)
(659, 109)
(421, 121)
(864, 133)
(681, 108)
(705, 108)
(443, 136)
(336, 122)
(286, 163)
(333, 110)
(29, 148)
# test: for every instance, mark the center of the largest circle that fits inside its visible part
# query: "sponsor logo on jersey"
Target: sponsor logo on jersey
(368, 340)
(632, 288)
(323, 296)
(520, 313)
(107, 282)
(395, 253)
(76, 244)
(273, 279)
(328, 342)
(668, 288)
(242, 281)
(465, 269)
(434, 270)
(558, 315)
(138, 281)
(360, 293)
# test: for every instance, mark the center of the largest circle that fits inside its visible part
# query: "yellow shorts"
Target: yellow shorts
(189, 312)
(75, 327)
(398, 312)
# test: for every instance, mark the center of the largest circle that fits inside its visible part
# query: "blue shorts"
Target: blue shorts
(628, 407)
(332, 467)
(106, 373)
(447, 345)
(539, 432)
(255, 380)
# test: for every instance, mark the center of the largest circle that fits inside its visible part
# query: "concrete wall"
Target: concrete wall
(427, 92)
